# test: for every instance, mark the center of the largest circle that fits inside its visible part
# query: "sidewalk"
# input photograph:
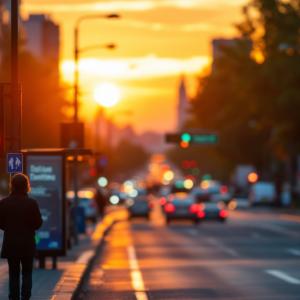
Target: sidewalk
(62, 283)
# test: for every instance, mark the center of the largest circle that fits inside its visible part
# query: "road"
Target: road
(254, 255)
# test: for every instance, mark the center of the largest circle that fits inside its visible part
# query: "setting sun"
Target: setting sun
(107, 94)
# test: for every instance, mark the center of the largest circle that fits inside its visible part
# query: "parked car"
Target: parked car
(262, 193)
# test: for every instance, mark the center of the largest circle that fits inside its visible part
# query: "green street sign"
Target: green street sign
(201, 138)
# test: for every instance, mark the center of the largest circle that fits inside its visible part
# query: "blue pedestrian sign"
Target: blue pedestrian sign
(14, 163)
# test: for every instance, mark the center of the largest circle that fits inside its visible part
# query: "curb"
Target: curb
(98, 235)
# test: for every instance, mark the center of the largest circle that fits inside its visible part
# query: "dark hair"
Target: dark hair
(19, 182)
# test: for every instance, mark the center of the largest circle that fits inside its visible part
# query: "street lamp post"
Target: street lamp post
(76, 75)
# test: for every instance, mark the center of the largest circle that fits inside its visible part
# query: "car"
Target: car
(201, 195)
(86, 199)
(181, 206)
(140, 205)
(212, 211)
(262, 193)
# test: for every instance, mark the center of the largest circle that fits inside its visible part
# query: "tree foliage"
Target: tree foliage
(254, 105)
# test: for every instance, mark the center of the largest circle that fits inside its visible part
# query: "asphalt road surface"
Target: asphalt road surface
(254, 255)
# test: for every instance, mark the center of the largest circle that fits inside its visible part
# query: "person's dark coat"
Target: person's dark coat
(19, 217)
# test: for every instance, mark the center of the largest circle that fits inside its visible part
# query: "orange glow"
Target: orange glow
(162, 201)
(184, 144)
(252, 177)
(232, 205)
(201, 206)
(205, 184)
(142, 66)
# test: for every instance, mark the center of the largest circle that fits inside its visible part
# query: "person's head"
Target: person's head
(19, 182)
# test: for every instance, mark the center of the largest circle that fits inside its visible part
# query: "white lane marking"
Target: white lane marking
(283, 276)
(221, 247)
(85, 257)
(278, 229)
(141, 296)
(294, 251)
(136, 275)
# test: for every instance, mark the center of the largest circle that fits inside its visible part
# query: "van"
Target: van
(262, 193)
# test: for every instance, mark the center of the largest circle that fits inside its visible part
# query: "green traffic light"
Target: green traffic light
(186, 137)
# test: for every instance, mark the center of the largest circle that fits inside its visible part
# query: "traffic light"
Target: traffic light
(200, 138)
(2, 127)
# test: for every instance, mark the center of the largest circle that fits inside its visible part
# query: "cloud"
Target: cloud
(126, 5)
(134, 68)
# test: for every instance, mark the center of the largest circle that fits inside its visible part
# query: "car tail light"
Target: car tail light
(169, 208)
(151, 204)
(201, 214)
(224, 189)
(223, 213)
(162, 201)
(194, 208)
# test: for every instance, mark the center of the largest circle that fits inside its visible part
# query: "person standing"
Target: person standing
(19, 217)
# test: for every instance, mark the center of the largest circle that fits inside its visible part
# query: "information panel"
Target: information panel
(45, 175)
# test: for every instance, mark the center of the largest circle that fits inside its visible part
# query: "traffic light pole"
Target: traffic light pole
(16, 98)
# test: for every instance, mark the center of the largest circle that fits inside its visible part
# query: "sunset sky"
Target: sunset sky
(157, 41)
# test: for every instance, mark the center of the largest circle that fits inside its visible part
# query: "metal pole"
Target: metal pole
(75, 122)
(15, 104)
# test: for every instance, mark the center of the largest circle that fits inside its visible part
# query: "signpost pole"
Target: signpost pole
(15, 103)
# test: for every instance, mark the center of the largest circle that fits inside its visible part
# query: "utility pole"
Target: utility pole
(15, 98)
(76, 201)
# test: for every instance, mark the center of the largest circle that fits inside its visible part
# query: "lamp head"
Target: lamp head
(111, 46)
(113, 16)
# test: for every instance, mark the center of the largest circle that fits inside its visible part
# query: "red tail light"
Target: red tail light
(169, 208)
(223, 213)
(194, 208)
(201, 214)
(162, 201)
(151, 204)
(224, 189)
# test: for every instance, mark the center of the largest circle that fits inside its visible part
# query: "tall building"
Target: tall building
(42, 39)
(183, 106)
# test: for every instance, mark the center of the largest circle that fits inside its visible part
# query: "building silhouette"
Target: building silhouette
(42, 39)
(183, 106)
